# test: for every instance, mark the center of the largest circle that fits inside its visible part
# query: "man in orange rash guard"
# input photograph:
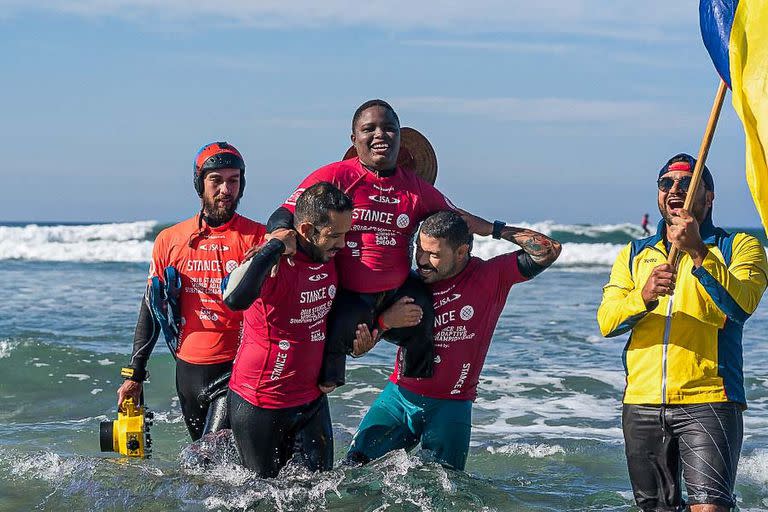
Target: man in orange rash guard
(374, 267)
(184, 299)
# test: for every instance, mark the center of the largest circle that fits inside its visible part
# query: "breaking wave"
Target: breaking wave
(583, 245)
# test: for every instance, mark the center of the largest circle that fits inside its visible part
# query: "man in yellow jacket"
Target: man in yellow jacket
(685, 384)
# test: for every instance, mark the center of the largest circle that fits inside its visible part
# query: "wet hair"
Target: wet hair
(373, 103)
(449, 226)
(316, 202)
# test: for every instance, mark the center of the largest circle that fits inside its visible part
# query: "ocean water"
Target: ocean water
(546, 436)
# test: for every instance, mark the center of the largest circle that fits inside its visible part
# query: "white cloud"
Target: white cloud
(615, 19)
(561, 111)
(513, 47)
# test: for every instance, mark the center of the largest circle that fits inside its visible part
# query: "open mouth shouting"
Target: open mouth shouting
(675, 203)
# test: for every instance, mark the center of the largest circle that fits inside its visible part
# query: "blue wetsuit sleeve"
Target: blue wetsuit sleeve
(144, 340)
(282, 218)
(243, 286)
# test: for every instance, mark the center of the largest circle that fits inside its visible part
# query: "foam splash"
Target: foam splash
(48, 466)
(754, 467)
(534, 451)
(214, 458)
(6, 347)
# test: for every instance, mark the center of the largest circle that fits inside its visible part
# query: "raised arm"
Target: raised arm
(539, 251)
(538, 248)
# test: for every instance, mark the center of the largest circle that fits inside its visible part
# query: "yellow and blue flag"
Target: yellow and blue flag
(736, 36)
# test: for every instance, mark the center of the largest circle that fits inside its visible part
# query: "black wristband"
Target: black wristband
(134, 374)
(497, 227)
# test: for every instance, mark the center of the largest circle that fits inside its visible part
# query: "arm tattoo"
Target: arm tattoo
(542, 249)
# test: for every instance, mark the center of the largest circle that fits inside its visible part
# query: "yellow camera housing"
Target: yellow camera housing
(129, 434)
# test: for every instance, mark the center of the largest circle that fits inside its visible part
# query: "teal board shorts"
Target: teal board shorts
(399, 419)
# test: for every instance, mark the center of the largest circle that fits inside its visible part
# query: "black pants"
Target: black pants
(700, 442)
(351, 309)
(193, 383)
(266, 439)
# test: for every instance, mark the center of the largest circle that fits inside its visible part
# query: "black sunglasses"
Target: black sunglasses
(665, 184)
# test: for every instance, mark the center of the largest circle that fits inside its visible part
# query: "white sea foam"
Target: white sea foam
(78, 376)
(548, 227)
(124, 242)
(521, 412)
(48, 466)
(574, 254)
(754, 467)
(128, 242)
(534, 451)
(6, 347)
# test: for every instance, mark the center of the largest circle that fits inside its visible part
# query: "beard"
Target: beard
(699, 211)
(218, 214)
(314, 251)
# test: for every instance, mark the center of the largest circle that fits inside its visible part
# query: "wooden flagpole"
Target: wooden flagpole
(706, 142)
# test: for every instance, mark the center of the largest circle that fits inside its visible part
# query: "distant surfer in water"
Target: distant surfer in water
(684, 393)
(183, 298)
(276, 407)
(390, 200)
(644, 225)
(469, 294)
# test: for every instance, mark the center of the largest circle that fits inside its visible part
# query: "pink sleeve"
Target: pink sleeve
(432, 200)
(505, 267)
(323, 174)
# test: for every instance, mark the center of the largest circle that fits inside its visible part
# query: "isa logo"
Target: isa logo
(231, 265)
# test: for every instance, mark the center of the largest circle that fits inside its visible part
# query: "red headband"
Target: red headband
(680, 166)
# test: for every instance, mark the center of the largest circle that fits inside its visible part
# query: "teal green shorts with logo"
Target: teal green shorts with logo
(399, 419)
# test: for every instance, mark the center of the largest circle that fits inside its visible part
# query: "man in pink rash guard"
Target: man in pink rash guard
(274, 399)
(469, 295)
(374, 267)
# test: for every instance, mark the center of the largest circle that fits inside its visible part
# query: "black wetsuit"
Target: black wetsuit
(199, 386)
(265, 437)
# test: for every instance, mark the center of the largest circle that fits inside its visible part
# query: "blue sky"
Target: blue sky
(561, 111)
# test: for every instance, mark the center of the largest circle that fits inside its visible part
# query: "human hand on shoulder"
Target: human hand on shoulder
(476, 225)
(288, 237)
